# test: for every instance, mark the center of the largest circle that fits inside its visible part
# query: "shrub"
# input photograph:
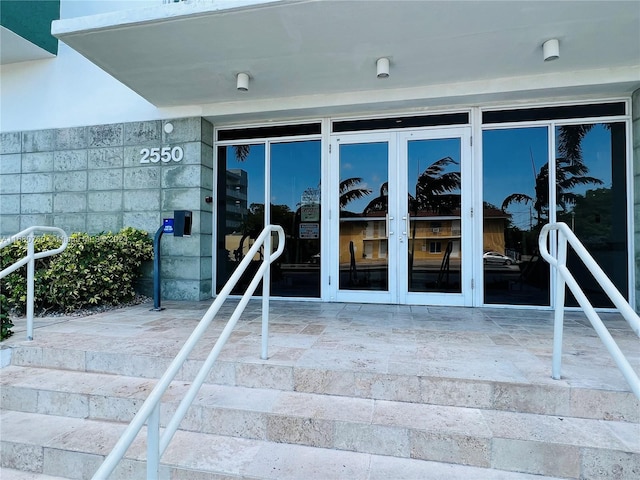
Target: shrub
(14, 286)
(5, 321)
(92, 270)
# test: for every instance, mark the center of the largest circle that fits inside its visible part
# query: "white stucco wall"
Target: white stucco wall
(70, 91)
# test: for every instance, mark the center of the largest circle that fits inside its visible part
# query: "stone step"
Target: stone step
(519, 442)
(353, 379)
(12, 474)
(61, 447)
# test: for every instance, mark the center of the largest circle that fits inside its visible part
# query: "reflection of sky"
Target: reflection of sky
(295, 166)
(511, 160)
(369, 161)
(254, 166)
(513, 157)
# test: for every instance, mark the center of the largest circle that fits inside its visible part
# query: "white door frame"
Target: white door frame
(397, 142)
(465, 297)
(365, 296)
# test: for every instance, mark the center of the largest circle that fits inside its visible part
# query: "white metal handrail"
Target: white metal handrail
(30, 260)
(150, 410)
(564, 236)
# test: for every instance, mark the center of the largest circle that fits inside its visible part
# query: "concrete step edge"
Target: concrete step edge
(74, 448)
(550, 398)
(303, 418)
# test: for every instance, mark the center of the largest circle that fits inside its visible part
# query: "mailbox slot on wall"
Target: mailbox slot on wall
(181, 223)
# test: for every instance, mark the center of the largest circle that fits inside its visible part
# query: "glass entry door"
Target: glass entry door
(402, 225)
(364, 251)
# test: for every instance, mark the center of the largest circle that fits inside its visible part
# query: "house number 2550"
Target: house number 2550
(164, 154)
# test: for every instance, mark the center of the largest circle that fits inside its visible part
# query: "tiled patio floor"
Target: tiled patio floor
(491, 344)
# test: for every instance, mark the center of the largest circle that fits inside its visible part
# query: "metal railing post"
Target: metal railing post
(153, 443)
(558, 322)
(266, 280)
(31, 267)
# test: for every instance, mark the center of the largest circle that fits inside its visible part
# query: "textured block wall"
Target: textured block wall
(91, 179)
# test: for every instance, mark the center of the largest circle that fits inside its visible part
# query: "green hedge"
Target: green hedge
(5, 321)
(92, 270)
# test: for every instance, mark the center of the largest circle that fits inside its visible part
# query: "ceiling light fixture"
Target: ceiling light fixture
(551, 50)
(242, 82)
(382, 66)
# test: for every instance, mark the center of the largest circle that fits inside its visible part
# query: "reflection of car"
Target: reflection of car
(495, 257)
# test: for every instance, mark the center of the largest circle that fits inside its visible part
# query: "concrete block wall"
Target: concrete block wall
(91, 179)
(635, 135)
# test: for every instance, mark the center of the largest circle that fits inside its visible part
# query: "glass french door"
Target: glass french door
(402, 233)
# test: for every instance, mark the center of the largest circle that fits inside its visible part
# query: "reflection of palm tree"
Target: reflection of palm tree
(434, 185)
(569, 174)
(381, 202)
(434, 189)
(351, 190)
(570, 141)
(242, 152)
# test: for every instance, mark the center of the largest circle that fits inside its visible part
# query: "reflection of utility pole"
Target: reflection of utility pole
(533, 164)
(533, 167)
(573, 221)
(530, 219)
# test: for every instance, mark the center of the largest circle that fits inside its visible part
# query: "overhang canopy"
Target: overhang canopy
(314, 54)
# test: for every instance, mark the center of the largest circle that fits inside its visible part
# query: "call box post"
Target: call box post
(178, 226)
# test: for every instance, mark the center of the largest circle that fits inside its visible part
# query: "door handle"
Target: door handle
(387, 219)
(407, 225)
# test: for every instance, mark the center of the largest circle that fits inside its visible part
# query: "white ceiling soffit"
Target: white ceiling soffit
(317, 55)
(17, 49)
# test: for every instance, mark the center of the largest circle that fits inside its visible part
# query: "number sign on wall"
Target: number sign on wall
(164, 154)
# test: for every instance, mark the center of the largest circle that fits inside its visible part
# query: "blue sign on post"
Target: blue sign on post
(167, 224)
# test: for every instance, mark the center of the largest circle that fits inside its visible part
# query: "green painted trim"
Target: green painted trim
(31, 19)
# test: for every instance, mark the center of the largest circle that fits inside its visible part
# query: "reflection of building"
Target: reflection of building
(429, 235)
(494, 226)
(237, 209)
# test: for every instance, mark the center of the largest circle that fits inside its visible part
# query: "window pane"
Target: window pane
(295, 205)
(515, 207)
(240, 209)
(433, 203)
(363, 193)
(591, 193)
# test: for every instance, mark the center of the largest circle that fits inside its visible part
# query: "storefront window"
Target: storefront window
(295, 205)
(515, 207)
(240, 208)
(294, 190)
(591, 198)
